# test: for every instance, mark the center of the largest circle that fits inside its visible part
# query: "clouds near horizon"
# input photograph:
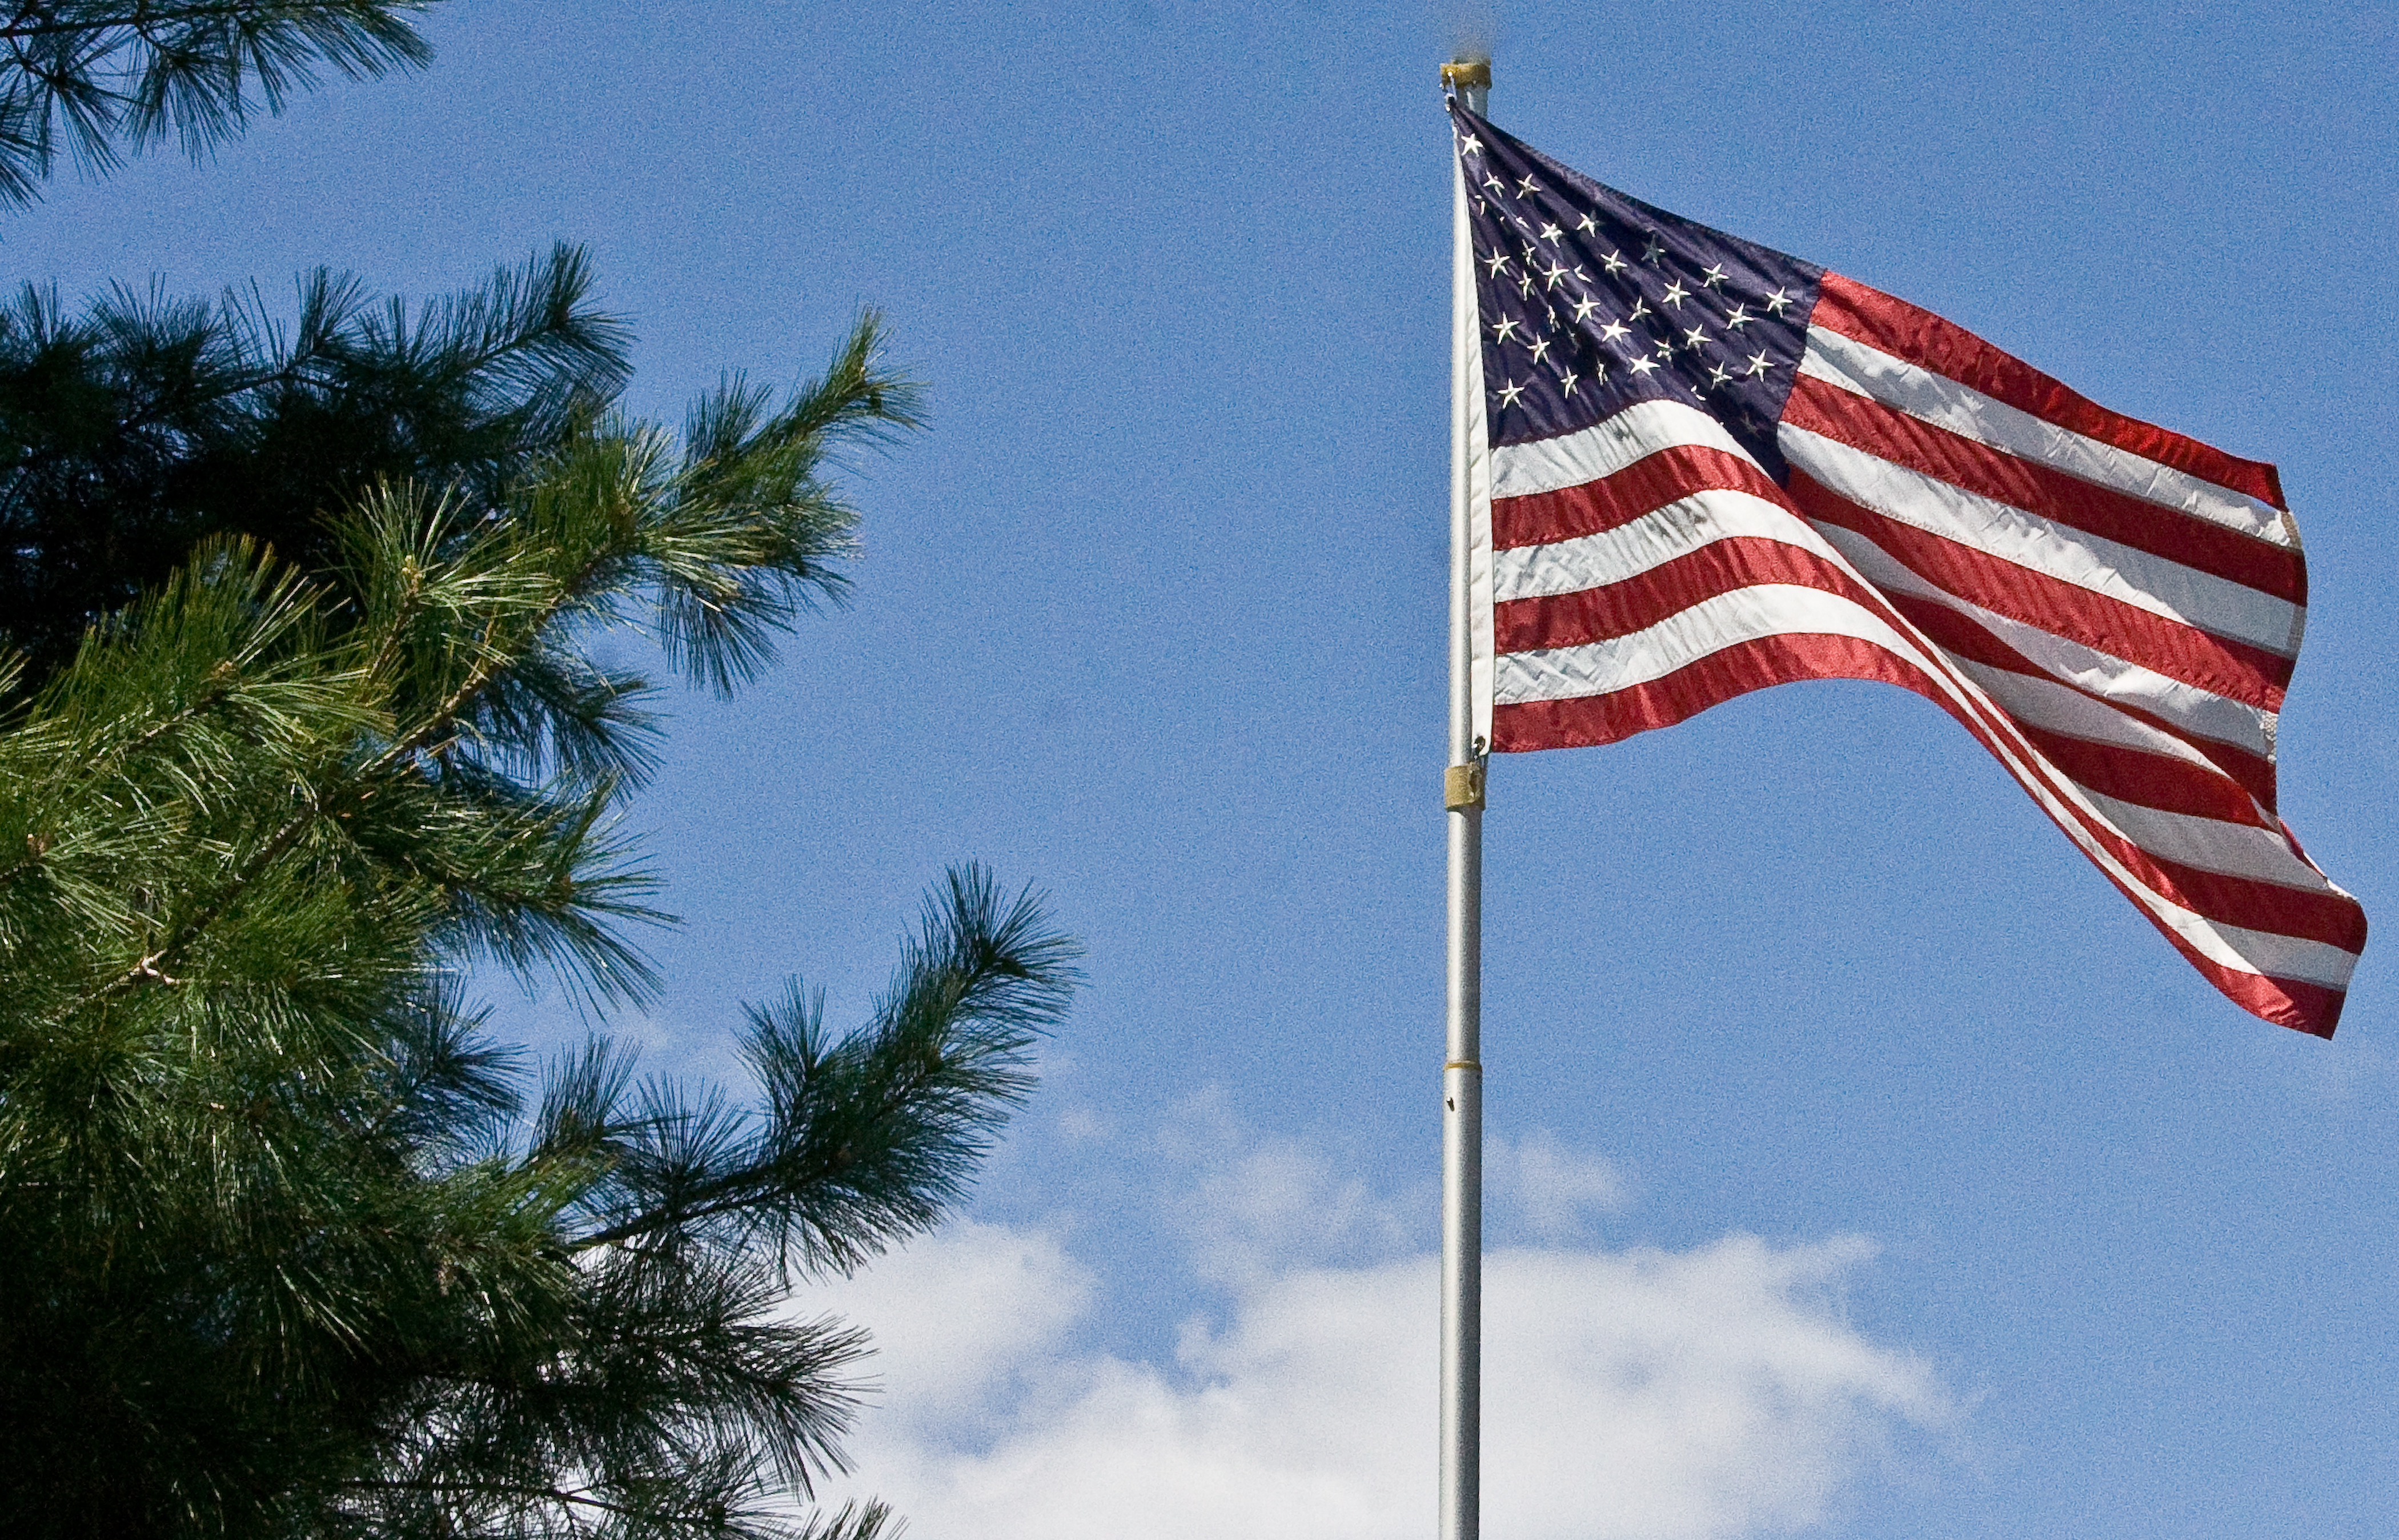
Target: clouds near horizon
(1695, 1395)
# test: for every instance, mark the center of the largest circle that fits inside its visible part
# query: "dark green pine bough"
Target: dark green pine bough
(302, 716)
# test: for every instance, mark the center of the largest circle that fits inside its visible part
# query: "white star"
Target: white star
(1615, 264)
(1553, 275)
(1757, 364)
(1506, 325)
(1612, 331)
(1525, 285)
(1640, 309)
(1665, 352)
(1583, 307)
(1570, 383)
(1496, 260)
(1718, 374)
(1588, 225)
(1740, 318)
(1655, 252)
(1693, 338)
(1495, 182)
(1473, 146)
(1675, 293)
(1712, 276)
(1527, 187)
(1777, 302)
(1540, 348)
(1508, 396)
(1550, 232)
(1643, 366)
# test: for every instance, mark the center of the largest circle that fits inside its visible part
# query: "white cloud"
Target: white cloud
(960, 1319)
(1253, 1205)
(1706, 1393)
(1671, 1396)
(1550, 1190)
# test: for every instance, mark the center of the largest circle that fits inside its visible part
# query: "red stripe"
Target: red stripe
(1924, 339)
(2215, 664)
(1821, 407)
(2311, 915)
(1963, 636)
(2292, 1003)
(1735, 670)
(1646, 598)
(2298, 1004)
(1766, 661)
(1643, 487)
(2147, 779)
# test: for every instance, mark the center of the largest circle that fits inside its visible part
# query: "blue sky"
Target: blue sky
(1864, 1166)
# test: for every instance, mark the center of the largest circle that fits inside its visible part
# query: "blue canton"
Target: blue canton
(1592, 301)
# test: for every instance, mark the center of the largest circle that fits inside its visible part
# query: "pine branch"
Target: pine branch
(438, 1487)
(99, 71)
(150, 422)
(869, 1139)
(333, 790)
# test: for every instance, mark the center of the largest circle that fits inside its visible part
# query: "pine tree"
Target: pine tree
(300, 719)
(287, 1245)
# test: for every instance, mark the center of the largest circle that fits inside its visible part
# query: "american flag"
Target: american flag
(1699, 467)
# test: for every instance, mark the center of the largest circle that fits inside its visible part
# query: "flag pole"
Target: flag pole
(1461, 1070)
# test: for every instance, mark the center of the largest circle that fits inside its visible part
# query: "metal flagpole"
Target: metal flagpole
(1461, 1070)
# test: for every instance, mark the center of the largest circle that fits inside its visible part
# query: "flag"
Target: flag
(1698, 466)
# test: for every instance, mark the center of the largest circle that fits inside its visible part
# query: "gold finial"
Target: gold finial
(1461, 74)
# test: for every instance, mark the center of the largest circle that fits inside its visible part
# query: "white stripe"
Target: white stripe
(2211, 845)
(2218, 718)
(1936, 398)
(2062, 709)
(1655, 538)
(2069, 711)
(1605, 448)
(2263, 950)
(1687, 636)
(2164, 588)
